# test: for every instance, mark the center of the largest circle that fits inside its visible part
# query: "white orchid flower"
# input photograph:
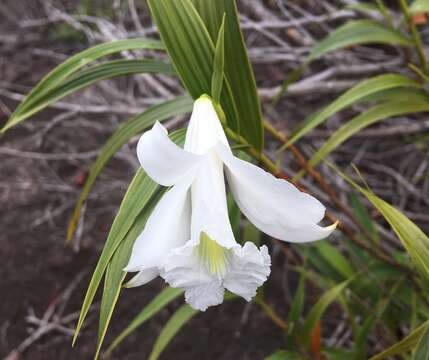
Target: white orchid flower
(188, 239)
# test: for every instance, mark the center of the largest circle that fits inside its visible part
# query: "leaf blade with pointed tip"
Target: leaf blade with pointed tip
(356, 93)
(406, 344)
(139, 193)
(358, 32)
(70, 66)
(218, 63)
(378, 113)
(124, 133)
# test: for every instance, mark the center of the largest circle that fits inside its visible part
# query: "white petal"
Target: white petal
(167, 227)
(209, 206)
(249, 268)
(143, 277)
(182, 269)
(164, 161)
(204, 129)
(273, 205)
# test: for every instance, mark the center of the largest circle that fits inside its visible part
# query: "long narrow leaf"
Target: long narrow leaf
(319, 308)
(369, 117)
(406, 344)
(359, 32)
(88, 77)
(174, 324)
(355, 94)
(132, 127)
(139, 193)
(238, 69)
(218, 63)
(191, 50)
(115, 275)
(76, 62)
(158, 303)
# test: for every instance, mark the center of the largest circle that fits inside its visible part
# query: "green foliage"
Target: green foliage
(405, 345)
(124, 133)
(359, 32)
(190, 46)
(419, 6)
(378, 113)
(319, 308)
(174, 324)
(357, 93)
(159, 302)
(57, 77)
(139, 194)
(218, 63)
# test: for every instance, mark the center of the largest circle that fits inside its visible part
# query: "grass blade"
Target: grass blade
(173, 325)
(191, 49)
(406, 344)
(73, 64)
(132, 127)
(88, 77)
(371, 116)
(139, 193)
(115, 275)
(218, 63)
(355, 94)
(358, 32)
(238, 69)
(158, 303)
(319, 308)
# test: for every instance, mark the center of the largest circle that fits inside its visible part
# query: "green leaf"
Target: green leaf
(415, 241)
(359, 32)
(365, 119)
(139, 193)
(191, 50)
(319, 308)
(363, 216)
(115, 275)
(355, 94)
(238, 69)
(218, 63)
(132, 127)
(174, 324)
(422, 351)
(90, 76)
(70, 66)
(158, 303)
(406, 344)
(419, 6)
(334, 258)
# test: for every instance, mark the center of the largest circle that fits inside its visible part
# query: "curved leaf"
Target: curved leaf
(319, 308)
(406, 344)
(369, 117)
(139, 193)
(88, 77)
(191, 50)
(132, 127)
(115, 275)
(355, 94)
(158, 303)
(74, 63)
(358, 32)
(173, 325)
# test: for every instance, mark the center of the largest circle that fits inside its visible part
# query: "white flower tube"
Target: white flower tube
(188, 239)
